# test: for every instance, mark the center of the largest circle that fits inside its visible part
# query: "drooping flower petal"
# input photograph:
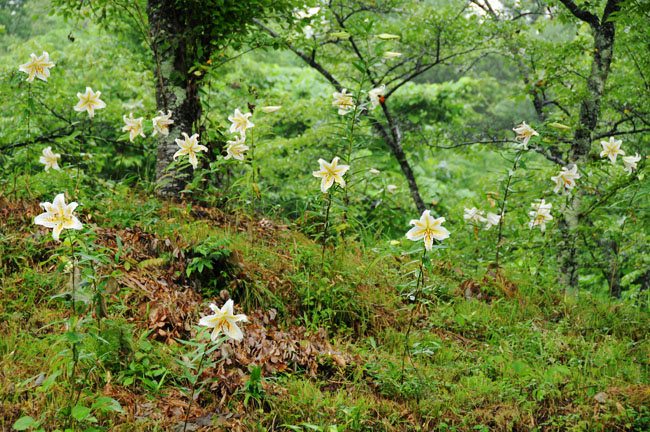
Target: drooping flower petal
(49, 159)
(343, 101)
(133, 126)
(492, 219)
(240, 122)
(524, 133)
(629, 163)
(161, 123)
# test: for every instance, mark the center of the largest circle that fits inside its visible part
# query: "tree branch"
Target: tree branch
(307, 59)
(581, 14)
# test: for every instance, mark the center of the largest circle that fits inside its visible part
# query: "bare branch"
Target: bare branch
(557, 104)
(581, 14)
(307, 59)
(616, 133)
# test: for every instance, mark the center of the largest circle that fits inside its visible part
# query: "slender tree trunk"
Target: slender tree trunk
(644, 280)
(395, 143)
(392, 137)
(176, 90)
(613, 274)
(603, 31)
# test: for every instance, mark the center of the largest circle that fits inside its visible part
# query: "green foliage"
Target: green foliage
(448, 342)
(209, 264)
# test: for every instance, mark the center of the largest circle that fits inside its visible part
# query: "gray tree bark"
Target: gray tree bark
(603, 31)
(176, 90)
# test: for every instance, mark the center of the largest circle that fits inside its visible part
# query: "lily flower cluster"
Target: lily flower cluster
(240, 123)
(58, 215)
(540, 215)
(612, 148)
(524, 134)
(160, 125)
(475, 215)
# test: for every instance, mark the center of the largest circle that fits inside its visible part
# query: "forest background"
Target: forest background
(517, 316)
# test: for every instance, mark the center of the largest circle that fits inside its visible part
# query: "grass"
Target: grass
(524, 358)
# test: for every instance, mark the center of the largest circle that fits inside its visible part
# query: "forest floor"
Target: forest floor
(337, 339)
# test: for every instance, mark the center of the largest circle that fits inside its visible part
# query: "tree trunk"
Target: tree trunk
(395, 143)
(176, 90)
(603, 31)
(394, 140)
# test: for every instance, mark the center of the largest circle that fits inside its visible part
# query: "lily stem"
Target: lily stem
(503, 207)
(198, 375)
(420, 281)
(327, 223)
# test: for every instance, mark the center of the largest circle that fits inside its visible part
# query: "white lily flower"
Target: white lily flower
(133, 126)
(540, 215)
(525, 133)
(306, 13)
(391, 188)
(39, 67)
(343, 101)
(376, 96)
(373, 171)
(49, 159)
(89, 101)
(427, 228)
(492, 219)
(58, 216)
(392, 54)
(271, 108)
(240, 122)
(236, 149)
(224, 320)
(566, 179)
(474, 215)
(161, 123)
(308, 31)
(330, 173)
(629, 162)
(190, 146)
(612, 149)
(68, 266)
(386, 36)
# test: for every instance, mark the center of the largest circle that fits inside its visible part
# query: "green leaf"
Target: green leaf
(107, 404)
(49, 381)
(80, 412)
(24, 423)
(519, 367)
(74, 337)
